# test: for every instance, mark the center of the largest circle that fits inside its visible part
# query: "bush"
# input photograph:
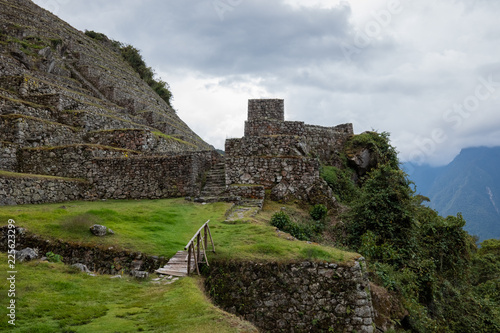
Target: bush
(280, 220)
(52, 257)
(318, 212)
(283, 222)
(340, 181)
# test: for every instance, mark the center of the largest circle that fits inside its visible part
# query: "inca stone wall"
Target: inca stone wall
(141, 140)
(32, 132)
(264, 127)
(150, 177)
(247, 191)
(271, 170)
(99, 259)
(295, 297)
(75, 161)
(70, 106)
(283, 145)
(283, 156)
(8, 156)
(266, 109)
(20, 189)
(326, 143)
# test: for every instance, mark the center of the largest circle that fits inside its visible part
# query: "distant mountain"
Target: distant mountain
(470, 184)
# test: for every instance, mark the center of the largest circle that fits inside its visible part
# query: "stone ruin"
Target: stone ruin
(283, 156)
(77, 123)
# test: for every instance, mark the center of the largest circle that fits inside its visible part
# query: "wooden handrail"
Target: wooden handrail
(195, 250)
(196, 234)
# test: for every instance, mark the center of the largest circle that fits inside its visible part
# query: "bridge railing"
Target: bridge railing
(197, 247)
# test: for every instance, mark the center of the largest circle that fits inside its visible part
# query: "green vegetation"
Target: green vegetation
(340, 181)
(134, 58)
(318, 212)
(445, 282)
(283, 222)
(378, 144)
(52, 297)
(158, 227)
(162, 227)
(52, 257)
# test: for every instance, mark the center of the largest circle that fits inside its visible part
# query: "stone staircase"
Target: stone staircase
(215, 184)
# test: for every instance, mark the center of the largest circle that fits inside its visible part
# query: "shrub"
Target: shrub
(283, 222)
(280, 220)
(318, 212)
(340, 181)
(52, 257)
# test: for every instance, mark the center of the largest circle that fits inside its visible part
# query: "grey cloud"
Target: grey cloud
(254, 37)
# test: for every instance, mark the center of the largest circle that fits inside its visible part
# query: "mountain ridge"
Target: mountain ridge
(469, 185)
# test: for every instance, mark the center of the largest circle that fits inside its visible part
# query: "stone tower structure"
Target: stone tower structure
(283, 156)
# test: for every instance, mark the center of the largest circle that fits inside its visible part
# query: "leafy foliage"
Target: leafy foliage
(52, 257)
(318, 212)
(378, 143)
(283, 222)
(340, 181)
(134, 58)
(446, 282)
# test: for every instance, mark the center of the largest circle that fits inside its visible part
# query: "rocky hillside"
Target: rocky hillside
(71, 107)
(59, 87)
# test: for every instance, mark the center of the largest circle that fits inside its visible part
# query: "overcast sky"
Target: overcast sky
(426, 71)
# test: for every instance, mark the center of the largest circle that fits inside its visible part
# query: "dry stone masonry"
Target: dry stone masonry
(71, 107)
(284, 156)
(295, 297)
(99, 259)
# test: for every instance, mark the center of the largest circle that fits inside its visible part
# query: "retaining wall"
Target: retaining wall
(150, 177)
(269, 170)
(295, 297)
(100, 259)
(18, 189)
(264, 127)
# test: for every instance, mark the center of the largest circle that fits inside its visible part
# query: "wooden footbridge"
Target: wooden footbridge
(187, 261)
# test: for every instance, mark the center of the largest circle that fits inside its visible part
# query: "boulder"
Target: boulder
(81, 267)
(26, 254)
(100, 230)
(139, 274)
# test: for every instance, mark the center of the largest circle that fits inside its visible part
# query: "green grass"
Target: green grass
(54, 298)
(163, 227)
(256, 240)
(158, 227)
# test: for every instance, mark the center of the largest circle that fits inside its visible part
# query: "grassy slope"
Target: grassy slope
(163, 227)
(53, 298)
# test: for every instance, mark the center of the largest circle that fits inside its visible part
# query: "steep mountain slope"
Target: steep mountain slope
(72, 108)
(470, 184)
(54, 73)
